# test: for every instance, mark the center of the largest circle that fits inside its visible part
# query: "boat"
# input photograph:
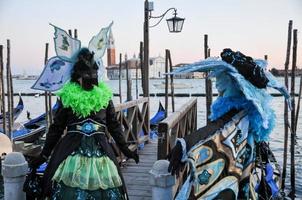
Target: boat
(16, 112)
(158, 117)
(33, 129)
(154, 121)
(162, 85)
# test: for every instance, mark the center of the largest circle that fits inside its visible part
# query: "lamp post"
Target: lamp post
(175, 25)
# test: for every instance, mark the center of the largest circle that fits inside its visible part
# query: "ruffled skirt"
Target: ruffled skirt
(87, 174)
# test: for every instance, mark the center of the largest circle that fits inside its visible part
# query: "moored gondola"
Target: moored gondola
(33, 129)
(16, 112)
(158, 117)
(154, 121)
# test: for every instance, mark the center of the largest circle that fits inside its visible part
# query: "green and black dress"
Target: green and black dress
(83, 164)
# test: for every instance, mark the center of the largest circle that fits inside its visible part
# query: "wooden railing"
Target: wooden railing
(177, 125)
(135, 120)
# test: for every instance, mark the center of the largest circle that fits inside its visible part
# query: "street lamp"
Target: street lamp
(175, 25)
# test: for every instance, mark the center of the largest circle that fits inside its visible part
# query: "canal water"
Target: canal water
(35, 105)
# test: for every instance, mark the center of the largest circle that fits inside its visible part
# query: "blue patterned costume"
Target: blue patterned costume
(223, 154)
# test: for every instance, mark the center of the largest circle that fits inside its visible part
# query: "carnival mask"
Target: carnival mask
(85, 70)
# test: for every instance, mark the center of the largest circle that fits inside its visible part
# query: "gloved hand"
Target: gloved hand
(174, 157)
(35, 162)
(33, 186)
(132, 154)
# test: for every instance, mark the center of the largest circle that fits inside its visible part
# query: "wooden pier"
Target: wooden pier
(137, 175)
(180, 123)
(134, 117)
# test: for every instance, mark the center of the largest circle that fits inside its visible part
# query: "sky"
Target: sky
(254, 27)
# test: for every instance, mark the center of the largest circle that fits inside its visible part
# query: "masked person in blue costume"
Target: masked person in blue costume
(82, 164)
(229, 158)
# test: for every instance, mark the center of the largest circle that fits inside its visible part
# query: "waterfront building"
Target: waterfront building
(156, 64)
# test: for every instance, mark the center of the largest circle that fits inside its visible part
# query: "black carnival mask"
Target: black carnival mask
(85, 70)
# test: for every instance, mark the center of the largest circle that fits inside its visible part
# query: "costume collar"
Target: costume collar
(83, 102)
(261, 123)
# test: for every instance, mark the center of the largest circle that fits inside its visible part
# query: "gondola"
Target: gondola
(16, 112)
(33, 129)
(154, 121)
(158, 117)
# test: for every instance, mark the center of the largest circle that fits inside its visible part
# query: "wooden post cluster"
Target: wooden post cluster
(7, 116)
(286, 125)
(293, 133)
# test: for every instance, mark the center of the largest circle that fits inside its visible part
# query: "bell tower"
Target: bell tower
(111, 50)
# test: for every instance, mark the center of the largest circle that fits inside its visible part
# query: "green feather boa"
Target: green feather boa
(84, 102)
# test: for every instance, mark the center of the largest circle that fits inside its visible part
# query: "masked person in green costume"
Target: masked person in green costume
(82, 163)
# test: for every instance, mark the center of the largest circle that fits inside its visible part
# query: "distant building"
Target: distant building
(156, 64)
(133, 64)
(111, 51)
(156, 67)
(281, 72)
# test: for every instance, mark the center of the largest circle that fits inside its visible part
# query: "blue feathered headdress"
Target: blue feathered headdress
(241, 83)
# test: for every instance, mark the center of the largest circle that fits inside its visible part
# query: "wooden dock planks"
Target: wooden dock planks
(137, 175)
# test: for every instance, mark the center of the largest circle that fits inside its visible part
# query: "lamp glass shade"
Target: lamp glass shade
(175, 24)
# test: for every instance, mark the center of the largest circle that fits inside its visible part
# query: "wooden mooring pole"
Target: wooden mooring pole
(3, 109)
(9, 92)
(169, 67)
(286, 125)
(136, 79)
(46, 93)
(146, 50)
(49, 94)
(208, 82)
(70, 32)
(141, 59)
(129, 81)
(166, 83)
(172, 81)
(298, 105)
(293, 133)
(75, 33)
(120, 79)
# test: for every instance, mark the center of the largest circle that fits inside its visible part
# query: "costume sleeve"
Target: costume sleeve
(55, 130)
(115, 128)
